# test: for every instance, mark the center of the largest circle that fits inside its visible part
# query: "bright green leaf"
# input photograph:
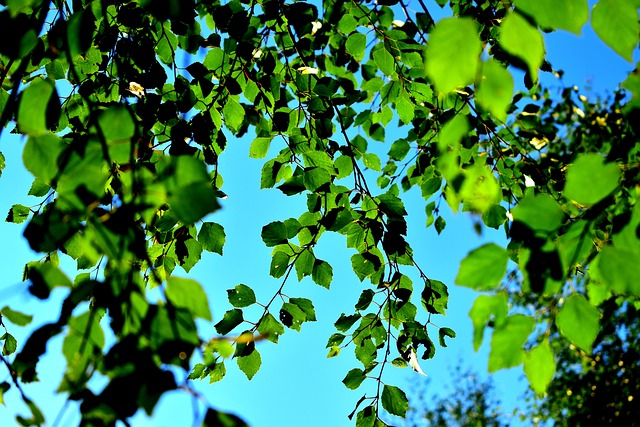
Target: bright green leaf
(250, 364)
(188, 294)
(522, 40)
(485, 308)
(354, 378)
(384, 61)
(495, 89)
(580, 185)
(274, 233)
(452, 54)
(540, 367)
(212, 237)
(579, 321)
(539, 212)
(10, 344)
(356, 44)
(507, 342)
(16, 317)
(233, 114)
(322, 273)
(616, 23)
(568, 15)
(39, 107)
(18, 214)
(259, 147)
(483, 268)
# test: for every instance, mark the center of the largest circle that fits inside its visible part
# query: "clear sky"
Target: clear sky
(297, 385)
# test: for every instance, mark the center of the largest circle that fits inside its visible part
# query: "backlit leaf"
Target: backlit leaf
(483, 268)
(580, 185)
(452, 54)
(568, 15)
(508, 340)
(522, 40)
(39, 107)
(188, 294)
(540, 367)
(616, 23)
(579, 321)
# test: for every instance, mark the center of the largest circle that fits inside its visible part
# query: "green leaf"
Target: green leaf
(40, 156)
(306, 306)
(2, 159)
(39, 107)
(520, 39)
(406, 112)
(384, 61)
(212, 237)
(453, 53)
(16, 317)
(188, 294)
(10, 344)
(322, 273)
(304, 264)
(619, 269)
(445, 332)
(274, 234)
(579, 321)
(18, 214)
(230, 320)
(241, 296)
(250, 364)
(372, 161)
(507, 341)
(270, 328)
(292, 316)
(480, 189)
(539, 212)
(191, 195)
(345, 322)
(495, 216)
(394, 400)
(233, 115)
(495, 89)
(259, 147)
(616, 23)
(279, 264)
(197, 372)
(580, 185)
(314, 178)
(116, 124)
(483, 268)
(568, 15)
(435, 296)
(540, 367)
(355, 45)
(354, 378)
(484, 308)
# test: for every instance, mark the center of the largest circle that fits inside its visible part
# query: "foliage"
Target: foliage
(124, 145)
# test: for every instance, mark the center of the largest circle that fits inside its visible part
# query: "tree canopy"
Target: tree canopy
(127, 107)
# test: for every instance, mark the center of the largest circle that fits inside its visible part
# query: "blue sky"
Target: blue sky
(297, 384)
